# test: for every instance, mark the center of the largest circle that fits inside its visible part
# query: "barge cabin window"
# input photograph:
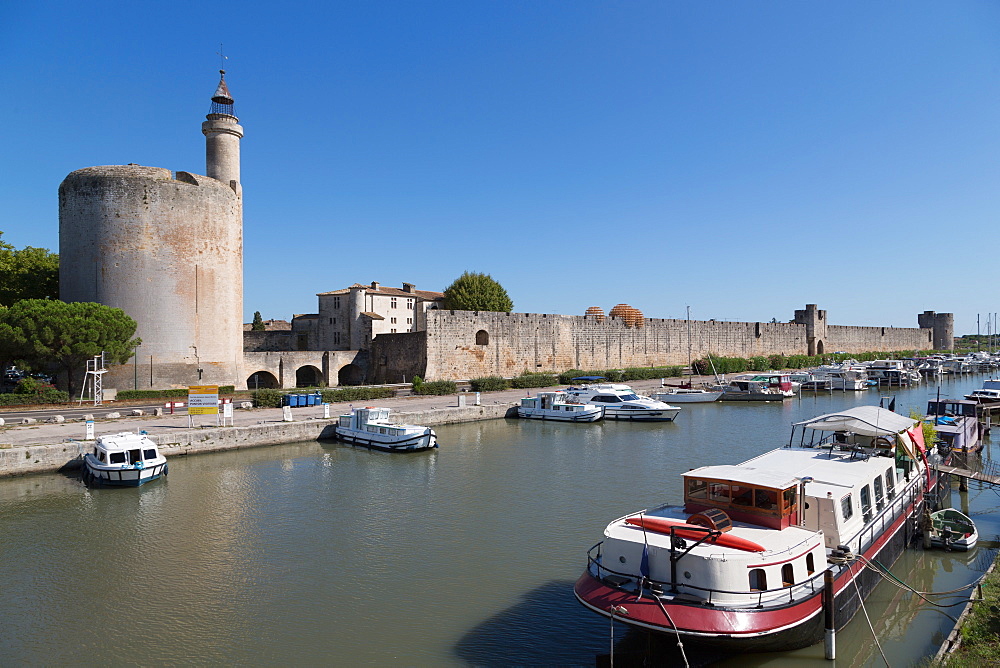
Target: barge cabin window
(756, 503)
(847, 507)
(787, 576)
(866, 503)
(758, 580)
(890, 484)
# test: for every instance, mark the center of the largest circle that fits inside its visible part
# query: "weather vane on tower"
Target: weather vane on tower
(222, 59)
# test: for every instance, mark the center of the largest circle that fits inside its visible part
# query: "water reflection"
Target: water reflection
(323, 553)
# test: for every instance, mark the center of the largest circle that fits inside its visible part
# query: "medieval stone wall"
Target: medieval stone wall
(466, 344)
(397, 358)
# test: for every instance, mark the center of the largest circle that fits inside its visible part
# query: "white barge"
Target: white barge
(741, 564)
(371, 428)
(558, 407)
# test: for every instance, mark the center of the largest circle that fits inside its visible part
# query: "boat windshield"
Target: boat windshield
(629, 397)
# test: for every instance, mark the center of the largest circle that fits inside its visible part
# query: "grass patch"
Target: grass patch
(981, 631)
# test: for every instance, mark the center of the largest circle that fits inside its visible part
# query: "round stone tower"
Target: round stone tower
(167, 248)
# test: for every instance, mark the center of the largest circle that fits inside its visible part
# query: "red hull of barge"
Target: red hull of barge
(788, 627)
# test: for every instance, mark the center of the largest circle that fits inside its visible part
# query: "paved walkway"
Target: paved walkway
(42, 432)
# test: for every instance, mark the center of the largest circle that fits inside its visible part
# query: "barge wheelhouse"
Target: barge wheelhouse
(848, 492)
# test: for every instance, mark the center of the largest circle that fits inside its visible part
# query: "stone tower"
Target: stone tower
(167, 248)
(943, 327)
(222, 138)
(815, 321)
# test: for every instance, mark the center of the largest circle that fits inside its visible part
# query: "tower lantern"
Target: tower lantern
(222, 138)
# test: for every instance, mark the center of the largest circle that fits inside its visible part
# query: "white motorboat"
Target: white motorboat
(742, 563)
(686, 395)
(842, 377)
(557, 406)
(123, 460)
(953, 530)
(620, 402)
(371, 428)
(757, 387)
(984, 396)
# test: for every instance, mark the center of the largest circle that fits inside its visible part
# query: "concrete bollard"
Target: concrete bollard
(88, 418)
(246, 405)
(56, 419)
(28, 420)
(137, 412)
(461, 401)
(2, 423)
(286, 413)
(157, 412)
(112, 416)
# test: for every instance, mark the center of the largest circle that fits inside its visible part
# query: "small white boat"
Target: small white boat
(621, 402)
(370, 428)
(125, 460)
(953, 530)
(686, 395)
(557, 406)
(984, 396)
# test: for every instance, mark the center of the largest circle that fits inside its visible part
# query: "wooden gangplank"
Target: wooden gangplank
(968, 473)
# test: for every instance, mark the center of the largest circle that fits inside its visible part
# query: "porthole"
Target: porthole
(687, 575)
(622, 559)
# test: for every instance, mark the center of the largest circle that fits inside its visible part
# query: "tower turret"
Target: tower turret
(222, 138)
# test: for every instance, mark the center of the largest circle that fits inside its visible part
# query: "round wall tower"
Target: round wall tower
(167, 249)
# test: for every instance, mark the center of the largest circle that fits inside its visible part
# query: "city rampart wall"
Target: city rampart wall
(469, 344)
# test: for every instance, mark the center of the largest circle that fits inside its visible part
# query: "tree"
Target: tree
(29, 273)
(258, 323)
(477, 292)
(48, 332)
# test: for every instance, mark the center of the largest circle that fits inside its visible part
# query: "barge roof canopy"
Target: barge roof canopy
(863, 420)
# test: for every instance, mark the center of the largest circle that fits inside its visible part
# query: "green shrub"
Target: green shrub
(566, 377)
(489, 384)
(356, 394)
(266, 398)
(436, 387)
(533, 380)
(47, 395)
(127, 395)
(649, 372)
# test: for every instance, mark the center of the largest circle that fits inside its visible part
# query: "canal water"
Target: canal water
(319, 553)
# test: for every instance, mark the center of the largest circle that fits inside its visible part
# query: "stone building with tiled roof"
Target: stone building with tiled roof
(351, 317)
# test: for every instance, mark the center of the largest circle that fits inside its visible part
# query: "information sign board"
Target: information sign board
(203, 400)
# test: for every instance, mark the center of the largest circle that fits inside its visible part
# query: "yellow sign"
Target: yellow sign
(203, 400)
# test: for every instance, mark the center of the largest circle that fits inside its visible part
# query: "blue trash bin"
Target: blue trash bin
(310, 399)
(300, 400)
(286, 400)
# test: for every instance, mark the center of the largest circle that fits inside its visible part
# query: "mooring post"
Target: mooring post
(830, 639)
(926, 524)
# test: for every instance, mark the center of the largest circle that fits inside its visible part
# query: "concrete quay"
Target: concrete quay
(50, 447)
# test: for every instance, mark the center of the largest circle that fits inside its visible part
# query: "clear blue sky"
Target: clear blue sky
(743, 158)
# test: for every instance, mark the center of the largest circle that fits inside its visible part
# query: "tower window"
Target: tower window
(409, 303)
(336, 302)
(336, 338)
(392, 302)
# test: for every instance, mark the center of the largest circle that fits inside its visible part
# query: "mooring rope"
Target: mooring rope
(861, 600)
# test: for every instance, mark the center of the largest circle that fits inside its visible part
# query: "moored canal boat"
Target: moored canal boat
(953, 530)
(123, 460)
(620, 402)
(556, 406)
(848, 492)
(371, 428)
